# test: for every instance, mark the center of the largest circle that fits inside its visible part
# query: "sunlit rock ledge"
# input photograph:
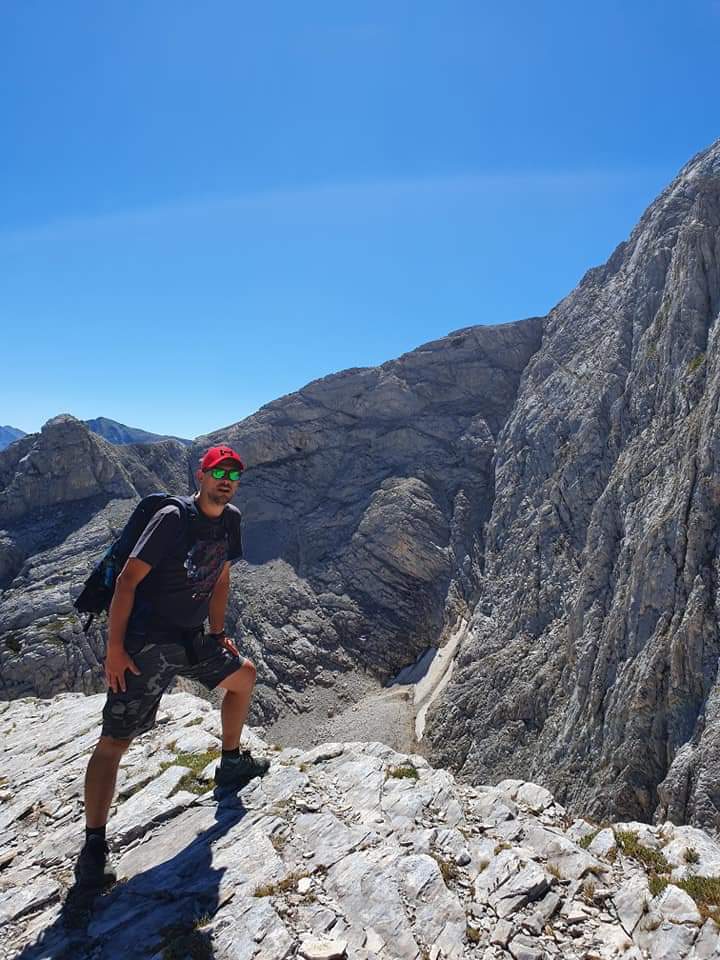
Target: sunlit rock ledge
(346, 850)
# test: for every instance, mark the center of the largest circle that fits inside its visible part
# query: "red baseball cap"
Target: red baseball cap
(216, 455)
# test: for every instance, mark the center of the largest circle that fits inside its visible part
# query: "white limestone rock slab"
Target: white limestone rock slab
(30, 896)
(322, 753)
(167, 844)
(602, 843)
(326, 838)
(250, 929)
(523, 947)
(153, 803)
(665, 940)
(691, 842)
(553, 846)
(646, 834)
(365, 891)
(493, 807)
(675, 905)
(707, 945)
(631, 901)
(439, 915)
(196, 740)
(511, 881)
(280, 784)
(323, 949)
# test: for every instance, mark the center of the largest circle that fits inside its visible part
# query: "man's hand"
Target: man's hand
(116, 663)
(226, 642)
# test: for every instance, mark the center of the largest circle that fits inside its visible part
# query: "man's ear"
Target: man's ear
(198, 477)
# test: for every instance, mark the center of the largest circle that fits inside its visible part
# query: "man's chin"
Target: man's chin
(220, 498)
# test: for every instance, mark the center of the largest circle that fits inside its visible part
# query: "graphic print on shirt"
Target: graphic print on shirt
(204, 564)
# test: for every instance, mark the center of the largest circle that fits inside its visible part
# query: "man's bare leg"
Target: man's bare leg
(100, 779)
(236, 703)
(235, 769)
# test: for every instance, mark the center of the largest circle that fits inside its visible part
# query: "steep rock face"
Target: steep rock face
(363, 504)
(63, 464)
(592, 657)
(372, 487)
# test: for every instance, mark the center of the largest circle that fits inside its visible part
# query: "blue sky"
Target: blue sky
(205, 205)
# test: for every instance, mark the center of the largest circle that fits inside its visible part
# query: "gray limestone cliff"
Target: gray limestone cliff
(591, 661)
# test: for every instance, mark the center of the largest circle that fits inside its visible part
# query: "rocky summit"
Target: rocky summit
(347, 850)
(526, 511)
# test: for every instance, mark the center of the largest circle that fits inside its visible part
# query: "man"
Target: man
(176, 577)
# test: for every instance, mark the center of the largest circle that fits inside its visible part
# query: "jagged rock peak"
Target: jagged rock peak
(346, 850)
(64, 462)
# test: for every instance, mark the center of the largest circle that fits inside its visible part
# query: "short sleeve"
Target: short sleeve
(234, 534)
(159, 536)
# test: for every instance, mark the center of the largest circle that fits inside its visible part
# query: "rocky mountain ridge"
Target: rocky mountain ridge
(120, 433)
(346, 850)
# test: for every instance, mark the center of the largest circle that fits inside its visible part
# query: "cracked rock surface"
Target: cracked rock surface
(346, 850)
(591, 660)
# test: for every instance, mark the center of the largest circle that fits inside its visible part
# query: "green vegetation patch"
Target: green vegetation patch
(404, 772)
(653, 860)
(588, 839)
(196, 763)
(657, 884)
(696, 362)
(705, 891)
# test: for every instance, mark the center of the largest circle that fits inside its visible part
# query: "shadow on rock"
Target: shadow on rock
(160, 909)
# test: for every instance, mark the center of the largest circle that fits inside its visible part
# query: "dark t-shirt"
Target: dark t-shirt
(187, 555)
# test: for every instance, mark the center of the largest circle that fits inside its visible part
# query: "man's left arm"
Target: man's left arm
(218, 605)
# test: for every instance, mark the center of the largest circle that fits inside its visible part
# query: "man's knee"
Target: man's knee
(243, 678)
(112, 746)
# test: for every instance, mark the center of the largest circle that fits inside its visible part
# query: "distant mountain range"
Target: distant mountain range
(111, 430)
(8, 434)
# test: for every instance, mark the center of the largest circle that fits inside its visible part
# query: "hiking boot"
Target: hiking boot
(239, 771)
(92, 868)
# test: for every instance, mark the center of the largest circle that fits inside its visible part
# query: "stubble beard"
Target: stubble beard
(219, 499)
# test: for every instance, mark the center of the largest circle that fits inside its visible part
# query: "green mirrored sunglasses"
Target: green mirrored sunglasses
(219, 474)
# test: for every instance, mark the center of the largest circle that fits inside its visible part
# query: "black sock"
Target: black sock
(94, 832)
(231, 754)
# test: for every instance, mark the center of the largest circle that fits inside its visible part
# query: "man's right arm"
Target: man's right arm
(117, 660)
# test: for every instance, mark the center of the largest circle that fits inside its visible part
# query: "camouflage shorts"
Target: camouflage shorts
(160, 658)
